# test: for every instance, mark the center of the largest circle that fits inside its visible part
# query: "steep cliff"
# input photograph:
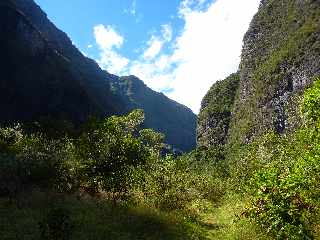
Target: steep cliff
(280, 58)
(215, 115)
(43, 75)
(36, 80)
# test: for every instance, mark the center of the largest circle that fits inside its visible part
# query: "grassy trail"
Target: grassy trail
(93, 219)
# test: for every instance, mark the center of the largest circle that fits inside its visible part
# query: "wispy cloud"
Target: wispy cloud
(166, 30)
(155, 46)
(156, 42)
(109, 41)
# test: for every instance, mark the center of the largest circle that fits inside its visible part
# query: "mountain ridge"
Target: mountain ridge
(47, 76)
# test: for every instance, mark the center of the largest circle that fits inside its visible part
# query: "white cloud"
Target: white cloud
(113, 62)
(156, 74)
(109, 41)
(167, 32)
(107, 37)
(155, 46)
(208, 49)
(152, 68)
(162, 63)
(90, 46)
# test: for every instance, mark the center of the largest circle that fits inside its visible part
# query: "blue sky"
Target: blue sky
(178, 47)
(136, 20)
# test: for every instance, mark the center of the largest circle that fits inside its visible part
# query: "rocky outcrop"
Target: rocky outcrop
(44, 76)
(280, 58)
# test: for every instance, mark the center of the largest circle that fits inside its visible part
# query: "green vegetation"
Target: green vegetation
(215, 115)
(220, 97)
(282, 177)
(112, 180)
(176, 121)
(87, 186)
(281, 48)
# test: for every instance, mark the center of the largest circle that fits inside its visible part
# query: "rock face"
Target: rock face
(37, 81)
(215, 115)
(43, 75)
(280, 58)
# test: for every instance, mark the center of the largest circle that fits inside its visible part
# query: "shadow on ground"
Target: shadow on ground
(90, 219)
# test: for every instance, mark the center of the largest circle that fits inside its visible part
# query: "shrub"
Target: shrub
(111, 149)
(311, 103)
(285, 192)
(33, 160)
(180, 183)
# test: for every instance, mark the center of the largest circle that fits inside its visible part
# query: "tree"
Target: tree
(112, 148)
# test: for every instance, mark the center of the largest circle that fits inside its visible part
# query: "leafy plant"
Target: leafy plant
(111, 149)
(285, 193)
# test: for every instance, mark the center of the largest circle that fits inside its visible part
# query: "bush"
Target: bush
(311, 103)
(103, 157)
(33, 160)
(180, 183)
(285, 192)
(110, 150)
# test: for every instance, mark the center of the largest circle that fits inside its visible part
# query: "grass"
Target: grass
(226, 222)
(94, 219)
(97, 219)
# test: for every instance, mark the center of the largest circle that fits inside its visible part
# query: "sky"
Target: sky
(178, 47)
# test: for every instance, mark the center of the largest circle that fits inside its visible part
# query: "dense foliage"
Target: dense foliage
(270, 185)
(279, 59)
(215, 115)
(113, 156)
(283, 176)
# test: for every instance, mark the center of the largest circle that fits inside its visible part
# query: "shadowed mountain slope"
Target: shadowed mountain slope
(43, 75)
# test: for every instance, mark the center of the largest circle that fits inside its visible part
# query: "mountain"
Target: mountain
(176, 121)
(43, 75)
(280, 59)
